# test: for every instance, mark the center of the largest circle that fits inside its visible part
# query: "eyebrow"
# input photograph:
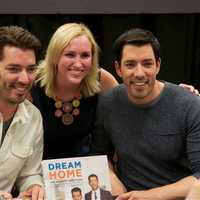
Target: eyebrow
(133, 60)
(148, 59)
(17, 65)
(72, 51)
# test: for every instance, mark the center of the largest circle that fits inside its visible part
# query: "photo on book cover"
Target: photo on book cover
(79, 178)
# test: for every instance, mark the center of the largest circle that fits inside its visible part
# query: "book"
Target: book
(66, 178)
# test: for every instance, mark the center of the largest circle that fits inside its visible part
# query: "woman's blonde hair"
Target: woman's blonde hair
(47, 70)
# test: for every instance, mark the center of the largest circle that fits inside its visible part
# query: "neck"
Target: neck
(7, 110)
(66, 92)
(95, 189)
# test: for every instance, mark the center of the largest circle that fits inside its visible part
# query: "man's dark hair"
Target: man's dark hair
(18, 37)
(76, 189)
(137, 37)
(92, 175)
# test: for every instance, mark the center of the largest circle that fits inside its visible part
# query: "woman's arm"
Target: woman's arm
(190, 88)
(107, 80)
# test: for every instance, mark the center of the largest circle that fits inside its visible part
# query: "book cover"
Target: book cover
(79, 178)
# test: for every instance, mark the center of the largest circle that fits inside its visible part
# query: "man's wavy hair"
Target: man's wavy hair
(137, 37)
(18, 37)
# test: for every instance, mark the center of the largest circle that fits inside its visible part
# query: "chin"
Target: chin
(18, 99)
(76, 82)
(137, 93)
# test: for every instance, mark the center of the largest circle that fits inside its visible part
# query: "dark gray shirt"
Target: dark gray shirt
(6, 125)
(156, 144)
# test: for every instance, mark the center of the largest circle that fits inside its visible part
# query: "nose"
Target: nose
(24, 77)
(139, 71)
(78, 62)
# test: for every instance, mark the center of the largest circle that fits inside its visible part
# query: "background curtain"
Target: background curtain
(179, 35)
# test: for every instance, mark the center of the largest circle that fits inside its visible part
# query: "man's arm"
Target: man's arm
(194, 193)
(30, 180)
(175, 191)
(117, 187)
(102, 145)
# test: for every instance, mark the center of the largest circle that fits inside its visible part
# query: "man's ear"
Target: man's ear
(118, 68)
(158, 63)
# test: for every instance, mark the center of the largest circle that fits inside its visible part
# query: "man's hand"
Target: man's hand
(5, 196)
(194, 192)
(140, 195)
(35, 192)
(190, 88)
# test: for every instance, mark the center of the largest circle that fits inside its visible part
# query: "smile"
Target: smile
(140, 84)
(22, 90)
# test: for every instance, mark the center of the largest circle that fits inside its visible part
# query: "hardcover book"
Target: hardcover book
(79, 178)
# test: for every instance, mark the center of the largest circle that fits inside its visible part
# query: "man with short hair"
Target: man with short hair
(76, 193)
(21, 134)
(153, 126)
(96, 193)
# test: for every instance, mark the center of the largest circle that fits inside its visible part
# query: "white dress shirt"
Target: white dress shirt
(22, 148)
(97, 194)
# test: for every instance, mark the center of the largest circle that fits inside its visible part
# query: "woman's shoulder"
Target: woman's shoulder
(37, 89)
(37, 93)
(91, 99)
(107, 80)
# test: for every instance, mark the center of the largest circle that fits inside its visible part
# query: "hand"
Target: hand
(35, 192)
(194, 192)
(190, 88)
(5, 196)
(140, 195)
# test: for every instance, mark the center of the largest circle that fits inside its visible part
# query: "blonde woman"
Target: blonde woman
(69, 79)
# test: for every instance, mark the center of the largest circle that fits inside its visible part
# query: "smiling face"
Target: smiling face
(17, 73)
(76, 195)
(75, 61)
(138, 69)
(93, 182)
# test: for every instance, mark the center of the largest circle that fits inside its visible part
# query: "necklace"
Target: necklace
(67, 110)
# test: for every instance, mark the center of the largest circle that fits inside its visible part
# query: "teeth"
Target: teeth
(21, 89)
(139, 84)
(76, 70)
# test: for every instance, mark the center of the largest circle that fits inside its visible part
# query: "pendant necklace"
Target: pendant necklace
(67, 110)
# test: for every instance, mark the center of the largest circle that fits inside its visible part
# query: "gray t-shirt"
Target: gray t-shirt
(156, 144)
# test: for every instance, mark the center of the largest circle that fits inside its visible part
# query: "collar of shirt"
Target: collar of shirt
(97, 191)
(22, 113)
